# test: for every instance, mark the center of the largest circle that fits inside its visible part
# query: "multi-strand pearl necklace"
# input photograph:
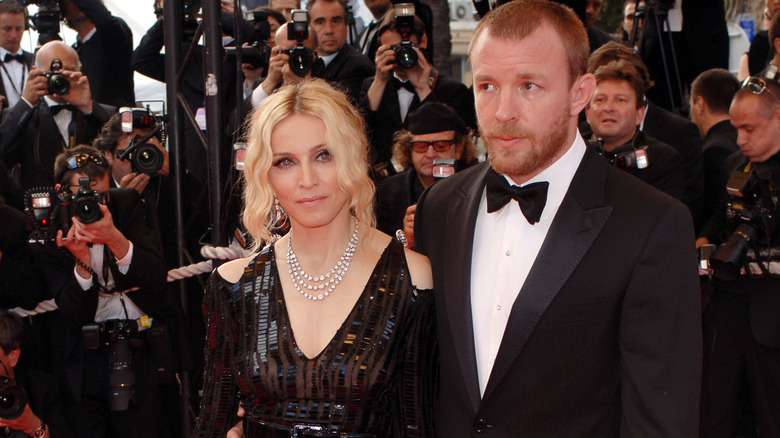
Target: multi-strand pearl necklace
(324, 284)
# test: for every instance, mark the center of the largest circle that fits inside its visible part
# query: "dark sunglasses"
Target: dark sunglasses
(80, 160)
(757, 85)
(438, 145)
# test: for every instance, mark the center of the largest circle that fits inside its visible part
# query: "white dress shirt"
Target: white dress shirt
(14, 74)
(505, 248)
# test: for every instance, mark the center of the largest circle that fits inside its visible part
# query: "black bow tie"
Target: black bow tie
(531, 197)
(12, 57)
(55, 109)
(398, 84)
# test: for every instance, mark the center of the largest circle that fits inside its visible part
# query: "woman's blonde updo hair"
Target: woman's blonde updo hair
(345, 136)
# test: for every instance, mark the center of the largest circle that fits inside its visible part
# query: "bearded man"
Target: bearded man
(574, 311)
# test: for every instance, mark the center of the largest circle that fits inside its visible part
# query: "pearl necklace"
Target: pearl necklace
(328, 282)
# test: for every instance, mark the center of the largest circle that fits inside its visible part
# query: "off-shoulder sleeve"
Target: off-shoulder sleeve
(420, 370)
(220, 394)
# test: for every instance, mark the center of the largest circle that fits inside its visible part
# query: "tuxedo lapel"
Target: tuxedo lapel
(459, 242)
(577, 223)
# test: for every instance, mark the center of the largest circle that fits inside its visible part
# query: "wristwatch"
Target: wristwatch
(40, 432)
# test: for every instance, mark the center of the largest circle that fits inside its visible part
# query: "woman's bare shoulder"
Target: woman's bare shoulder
(234, 269)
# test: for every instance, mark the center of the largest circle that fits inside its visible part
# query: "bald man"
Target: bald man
(42, 123)
(279, 71)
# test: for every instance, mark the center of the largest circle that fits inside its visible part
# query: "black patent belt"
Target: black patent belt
(305, 430)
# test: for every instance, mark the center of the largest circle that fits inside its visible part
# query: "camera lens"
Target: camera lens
(87, 210)
(58, 84)
(148, 159)
(405, 56)
(12, 399)
(300, 60)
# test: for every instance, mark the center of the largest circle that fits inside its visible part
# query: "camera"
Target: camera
(58, 83)
(47, 20)
(12, 399)
(301, 57)
(753, 212)
(144, 157)
(623, 157)
(118, 335)
(405, 55)
(48, 211)
(86, 203)
(444, 167)
(259, 52)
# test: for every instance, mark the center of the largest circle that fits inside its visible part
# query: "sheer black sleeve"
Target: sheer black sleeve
(220, 400)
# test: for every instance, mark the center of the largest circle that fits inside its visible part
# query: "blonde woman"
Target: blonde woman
(327, 331)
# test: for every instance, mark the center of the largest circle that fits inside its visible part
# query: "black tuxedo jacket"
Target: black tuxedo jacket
(348, 70)
(30, 137)
(29, 61)
(719, 143)
(394, 195)
(604, 339)
(683, 135)
(386, 120)
(147, 271)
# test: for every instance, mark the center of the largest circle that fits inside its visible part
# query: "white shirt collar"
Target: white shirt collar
(328, 58)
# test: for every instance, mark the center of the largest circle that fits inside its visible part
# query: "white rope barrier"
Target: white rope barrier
(232, 252)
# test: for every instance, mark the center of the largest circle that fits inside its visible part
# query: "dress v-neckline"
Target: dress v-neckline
(350, 316)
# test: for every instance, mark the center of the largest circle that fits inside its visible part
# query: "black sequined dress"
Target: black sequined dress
(376, 376)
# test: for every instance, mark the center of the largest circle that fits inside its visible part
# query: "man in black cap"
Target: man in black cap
(433, 131)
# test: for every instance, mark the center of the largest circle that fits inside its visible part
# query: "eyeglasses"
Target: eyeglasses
(438, 145)
(757, 85)
(80, 160)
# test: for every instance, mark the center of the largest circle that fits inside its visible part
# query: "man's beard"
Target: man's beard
(541, 153)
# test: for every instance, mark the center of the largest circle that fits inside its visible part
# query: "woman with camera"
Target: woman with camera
(326, 331)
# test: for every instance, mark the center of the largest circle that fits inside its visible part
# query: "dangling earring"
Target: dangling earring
(280, 220)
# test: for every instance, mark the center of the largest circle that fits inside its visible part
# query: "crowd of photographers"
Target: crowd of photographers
(87, 213)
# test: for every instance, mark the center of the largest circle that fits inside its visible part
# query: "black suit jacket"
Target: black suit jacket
(719, 143)
(106, 56)
(386, 120)
(147, 271)
(394, 195)
(30, 137)
(604, 339)
(683, 135)
(29, 61)
(348, 70)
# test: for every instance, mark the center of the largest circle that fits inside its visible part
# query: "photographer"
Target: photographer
(614, 114)
(56, 111)
(742, 327)
(29, 396)
(433, 131)
(105, 46)
(279, 71)
(398, 88)
(115, 302)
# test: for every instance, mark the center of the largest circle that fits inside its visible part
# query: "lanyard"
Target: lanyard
(10, 79)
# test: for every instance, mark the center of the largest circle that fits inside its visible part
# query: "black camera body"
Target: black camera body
(753, 213)
(301, 56)
(47, 20)
(144, 157)
(405, 53)
(86, 203)
(58, 83)
(626, 158)
(12, 399)
(259, 51)
(48, 211)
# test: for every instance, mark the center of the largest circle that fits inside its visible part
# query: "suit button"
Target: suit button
(480, 425)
